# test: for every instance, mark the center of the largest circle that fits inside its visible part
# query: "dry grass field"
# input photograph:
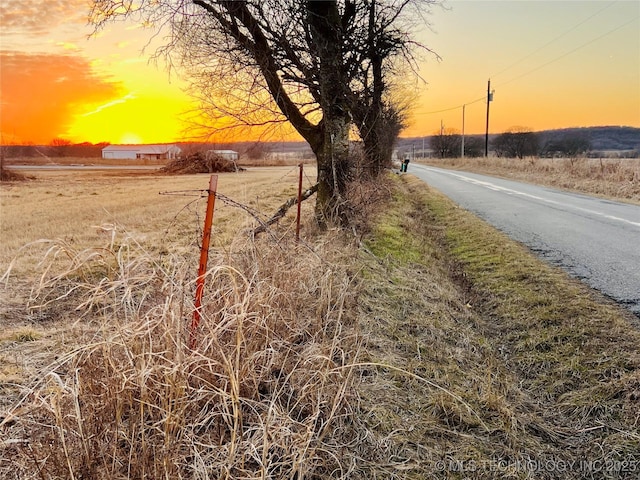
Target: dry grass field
(58, 220)
(613, 178)
(96, 376)
(67, 161)
(427, 345)
(77, 206)
(98, 161)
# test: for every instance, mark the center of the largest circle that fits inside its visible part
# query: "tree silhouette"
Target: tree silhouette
(319, 65)
(517, 142)
(447, 143)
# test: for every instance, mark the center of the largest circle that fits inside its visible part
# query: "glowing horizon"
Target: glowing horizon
(552, 65)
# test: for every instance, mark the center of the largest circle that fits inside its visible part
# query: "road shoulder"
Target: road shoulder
(487, 362)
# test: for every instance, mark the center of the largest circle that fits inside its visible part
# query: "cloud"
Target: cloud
(68, 46)
(127, 97)
(43, 93)
(39, 16)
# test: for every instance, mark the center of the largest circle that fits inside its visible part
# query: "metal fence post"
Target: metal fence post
(299, 204)
(204, 257)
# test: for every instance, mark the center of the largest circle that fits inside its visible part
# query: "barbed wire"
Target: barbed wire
(260, 217)
(182, 193)
(306, 177)
(287, 173)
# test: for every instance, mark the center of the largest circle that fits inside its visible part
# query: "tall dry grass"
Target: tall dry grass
(77, 208)
(261, 396)
(614, 178)
(266, 393)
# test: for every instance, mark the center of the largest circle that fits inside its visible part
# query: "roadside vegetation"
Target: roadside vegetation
(96, 374)
(617, 179)
(505, 364)
(427, 345)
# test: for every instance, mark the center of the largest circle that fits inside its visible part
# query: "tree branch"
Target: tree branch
(259, 48)
(283, 209)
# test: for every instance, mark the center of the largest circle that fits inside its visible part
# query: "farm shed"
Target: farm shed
(230, 155)
(141, 151)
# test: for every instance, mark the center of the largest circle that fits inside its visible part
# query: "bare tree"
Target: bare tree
(59, 147)
(569, 145)
(516, 142)
(309, 63)
(473, 147)
(384, 52)
(447, 143)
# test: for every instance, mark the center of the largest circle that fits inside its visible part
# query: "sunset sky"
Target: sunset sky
(552, 64)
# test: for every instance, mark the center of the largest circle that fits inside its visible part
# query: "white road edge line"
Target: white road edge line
(509, 191)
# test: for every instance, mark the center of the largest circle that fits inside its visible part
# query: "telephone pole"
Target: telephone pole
(486, 135)
(462, 152)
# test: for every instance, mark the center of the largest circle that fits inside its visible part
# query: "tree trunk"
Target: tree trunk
(333, 170)
(333, 153)
(373, 142)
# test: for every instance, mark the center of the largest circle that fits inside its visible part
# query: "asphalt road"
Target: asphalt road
(595, 240)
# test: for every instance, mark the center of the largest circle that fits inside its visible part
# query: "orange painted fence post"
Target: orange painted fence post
(204, 257)
(299, 204)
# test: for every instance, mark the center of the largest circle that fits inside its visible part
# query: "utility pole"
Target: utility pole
(462, 153)
(423, 155)
(486, 136)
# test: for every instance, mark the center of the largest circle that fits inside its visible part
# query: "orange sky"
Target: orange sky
(553, 64)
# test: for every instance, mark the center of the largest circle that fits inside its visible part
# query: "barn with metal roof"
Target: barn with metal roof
(156, 152)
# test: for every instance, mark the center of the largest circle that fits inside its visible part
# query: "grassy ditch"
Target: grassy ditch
(486, 362)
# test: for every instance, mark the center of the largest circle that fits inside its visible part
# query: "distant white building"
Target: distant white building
(230, 155)
(155, 152)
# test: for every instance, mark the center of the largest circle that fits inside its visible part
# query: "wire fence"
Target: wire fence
(264, 225)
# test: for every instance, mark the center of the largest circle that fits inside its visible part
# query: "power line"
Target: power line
(609, 32)
(571, 51)
(452, 108)
(554, 39)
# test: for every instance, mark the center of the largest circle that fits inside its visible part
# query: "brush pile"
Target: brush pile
(7, 175)
(201, 162)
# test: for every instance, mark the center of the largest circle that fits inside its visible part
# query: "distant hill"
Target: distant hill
(608, 138)
(601, 138)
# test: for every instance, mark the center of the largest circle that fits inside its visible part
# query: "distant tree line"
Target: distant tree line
(58, 147)
(570, 145)
(601, 138)
(516, 142)
(448, 144)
